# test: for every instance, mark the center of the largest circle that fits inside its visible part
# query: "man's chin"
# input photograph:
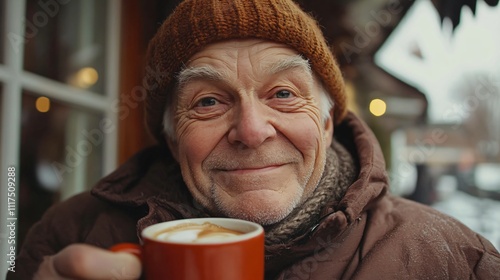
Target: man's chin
(263, 207)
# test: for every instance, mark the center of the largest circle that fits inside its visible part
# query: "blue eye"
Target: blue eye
(283, 94)
(207, 101)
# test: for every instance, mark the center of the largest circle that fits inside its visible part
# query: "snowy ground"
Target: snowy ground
(481, 215)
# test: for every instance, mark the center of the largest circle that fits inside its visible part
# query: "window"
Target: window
(1, 136)
(2, 31)
(59, 89)
(66, 42)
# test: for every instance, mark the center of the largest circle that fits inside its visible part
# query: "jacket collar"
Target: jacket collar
(372, 182)
(141, 177)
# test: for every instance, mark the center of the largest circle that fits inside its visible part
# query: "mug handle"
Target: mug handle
(131, 248)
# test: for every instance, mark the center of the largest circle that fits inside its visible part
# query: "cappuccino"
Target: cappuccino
(196, 233)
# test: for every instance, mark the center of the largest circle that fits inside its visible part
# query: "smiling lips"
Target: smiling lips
(252, 162)
(251, 170)
(251, 177)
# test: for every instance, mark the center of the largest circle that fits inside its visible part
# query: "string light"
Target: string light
(378, 107)
(42, 104)
(85, 77)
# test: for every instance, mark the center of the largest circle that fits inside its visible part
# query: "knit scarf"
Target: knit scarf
(339, 173)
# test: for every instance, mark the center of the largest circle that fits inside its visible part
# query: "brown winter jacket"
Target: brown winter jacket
(369, 234)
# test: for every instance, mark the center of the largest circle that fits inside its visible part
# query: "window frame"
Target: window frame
(15, 79)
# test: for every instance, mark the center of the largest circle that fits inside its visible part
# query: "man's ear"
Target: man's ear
(329, 129)
(172, 146)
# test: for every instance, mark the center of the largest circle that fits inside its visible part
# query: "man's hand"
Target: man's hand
(80, 261)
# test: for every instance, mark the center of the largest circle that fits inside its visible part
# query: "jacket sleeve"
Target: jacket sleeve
(61, 225)
(488, 267)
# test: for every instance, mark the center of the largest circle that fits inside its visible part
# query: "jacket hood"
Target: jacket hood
(372, 182)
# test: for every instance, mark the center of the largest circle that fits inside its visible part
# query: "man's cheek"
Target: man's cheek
(307, 137)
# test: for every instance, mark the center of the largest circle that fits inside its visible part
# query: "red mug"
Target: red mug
(190, 249)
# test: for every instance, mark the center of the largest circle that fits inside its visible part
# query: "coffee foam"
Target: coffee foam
(196, 233)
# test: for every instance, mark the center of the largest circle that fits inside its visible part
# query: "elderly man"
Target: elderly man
(250, 116)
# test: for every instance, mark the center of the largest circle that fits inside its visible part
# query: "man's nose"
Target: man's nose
(252, 126)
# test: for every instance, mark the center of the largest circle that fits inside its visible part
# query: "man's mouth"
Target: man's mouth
(252, 169)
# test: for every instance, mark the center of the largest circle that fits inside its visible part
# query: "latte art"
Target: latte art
(196, 233)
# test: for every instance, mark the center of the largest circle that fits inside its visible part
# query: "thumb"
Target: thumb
(88, 262)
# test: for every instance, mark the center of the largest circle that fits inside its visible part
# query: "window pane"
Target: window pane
(1, 116)
(65, 41)
(61, 154)
(2, 29)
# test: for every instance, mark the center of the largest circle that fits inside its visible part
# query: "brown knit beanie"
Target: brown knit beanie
(196, 23)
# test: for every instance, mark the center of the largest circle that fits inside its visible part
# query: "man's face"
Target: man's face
(249, 135)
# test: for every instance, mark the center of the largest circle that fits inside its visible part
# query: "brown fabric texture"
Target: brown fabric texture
(195, 24)
(368, 234)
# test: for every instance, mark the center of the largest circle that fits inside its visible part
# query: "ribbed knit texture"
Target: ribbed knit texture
(195, 24)
(340, 172)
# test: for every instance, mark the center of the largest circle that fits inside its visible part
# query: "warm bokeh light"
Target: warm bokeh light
(352, 104)
(42, 104)
(86, 77)
(378, 107)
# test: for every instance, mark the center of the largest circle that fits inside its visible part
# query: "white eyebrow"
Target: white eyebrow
(199, 72)
(291, 62)
(209, 73)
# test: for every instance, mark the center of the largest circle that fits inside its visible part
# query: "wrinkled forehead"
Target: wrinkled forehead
(264, 50)
(266, 57)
